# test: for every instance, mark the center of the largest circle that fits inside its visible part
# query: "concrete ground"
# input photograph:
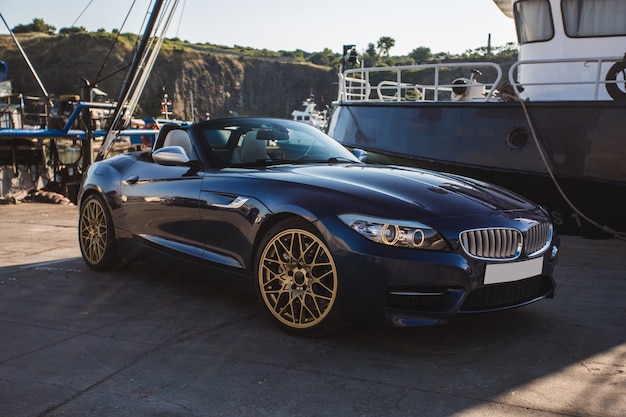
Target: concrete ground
(167, 339)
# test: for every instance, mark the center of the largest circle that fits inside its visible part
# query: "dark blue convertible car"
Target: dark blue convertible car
(326, 238)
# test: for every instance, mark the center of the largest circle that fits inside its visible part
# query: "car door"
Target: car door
(161, 205)
(231, 217)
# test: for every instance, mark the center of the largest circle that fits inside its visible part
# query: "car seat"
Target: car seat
(250, 150)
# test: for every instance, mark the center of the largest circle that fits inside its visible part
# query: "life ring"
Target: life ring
(612, 88)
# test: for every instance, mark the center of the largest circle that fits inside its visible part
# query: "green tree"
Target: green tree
(421, 54)
(322, 58)
(385, 43)
(298, 55)
(38, 25)
(371, 57)
(507, 51)
(72, 30)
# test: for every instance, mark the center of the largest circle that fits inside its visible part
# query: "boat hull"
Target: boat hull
(584, 144)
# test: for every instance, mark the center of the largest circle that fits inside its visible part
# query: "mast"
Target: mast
(138, 73)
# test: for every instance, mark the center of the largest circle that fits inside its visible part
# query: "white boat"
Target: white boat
(551, 127)
(310, 115)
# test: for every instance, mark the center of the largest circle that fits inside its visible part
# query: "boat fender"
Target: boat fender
(613, 88)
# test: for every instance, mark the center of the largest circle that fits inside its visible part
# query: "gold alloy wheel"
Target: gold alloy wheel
(93, 231)
(297, 279)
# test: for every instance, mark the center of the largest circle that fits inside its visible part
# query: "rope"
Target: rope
(606, 229)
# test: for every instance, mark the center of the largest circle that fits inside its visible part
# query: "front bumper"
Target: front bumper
(407, 287)
(424, 308)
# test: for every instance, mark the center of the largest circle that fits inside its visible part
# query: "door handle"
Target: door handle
(235, 204)
(132, 180)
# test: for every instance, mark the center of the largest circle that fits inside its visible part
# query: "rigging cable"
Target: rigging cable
(81, 13)
(180, 21)
(607, 229)
(26, 59)
(117, 35)
(140, 68)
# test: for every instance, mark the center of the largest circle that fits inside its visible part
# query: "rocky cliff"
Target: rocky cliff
(196, 81)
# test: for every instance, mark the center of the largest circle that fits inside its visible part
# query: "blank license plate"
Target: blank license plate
(497, 273)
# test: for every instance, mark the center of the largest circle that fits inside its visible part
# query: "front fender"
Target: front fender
(103, 178)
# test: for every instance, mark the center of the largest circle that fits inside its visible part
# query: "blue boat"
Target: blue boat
(551, 127)
(69, 132)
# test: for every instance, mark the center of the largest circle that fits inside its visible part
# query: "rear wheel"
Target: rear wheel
(296, 279)
(95, 234)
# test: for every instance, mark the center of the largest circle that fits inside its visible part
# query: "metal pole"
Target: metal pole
(86, 93)
(130, 77)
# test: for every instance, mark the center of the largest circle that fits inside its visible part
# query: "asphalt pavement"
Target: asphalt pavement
(165, 338)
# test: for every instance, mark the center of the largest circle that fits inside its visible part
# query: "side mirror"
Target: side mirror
(361, 154)
(170, 155)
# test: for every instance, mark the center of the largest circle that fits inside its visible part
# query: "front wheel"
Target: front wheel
(296, 279)
(95, 234)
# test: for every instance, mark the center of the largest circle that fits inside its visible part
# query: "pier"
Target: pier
(164, 338)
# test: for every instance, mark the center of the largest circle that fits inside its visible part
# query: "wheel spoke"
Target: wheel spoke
(310, 248)
(302, 317)
(282, 309)
(317, 311)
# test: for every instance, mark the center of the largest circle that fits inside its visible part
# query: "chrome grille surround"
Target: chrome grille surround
(538, 238)
(505, 244)
(502, 244)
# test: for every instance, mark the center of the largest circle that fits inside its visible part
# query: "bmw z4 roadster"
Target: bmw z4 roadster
(327, 239)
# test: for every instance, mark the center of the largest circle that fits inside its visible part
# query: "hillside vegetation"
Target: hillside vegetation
(200, 79)
(206, 80)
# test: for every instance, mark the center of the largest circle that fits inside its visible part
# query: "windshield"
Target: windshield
(264, 141)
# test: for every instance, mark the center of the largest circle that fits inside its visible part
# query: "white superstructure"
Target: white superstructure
(587, 36)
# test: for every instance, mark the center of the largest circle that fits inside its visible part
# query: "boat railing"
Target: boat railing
(546, 79)
(445, 82)
(592, 72)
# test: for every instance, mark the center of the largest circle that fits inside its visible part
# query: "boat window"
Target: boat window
(533, 20)
(589, 18)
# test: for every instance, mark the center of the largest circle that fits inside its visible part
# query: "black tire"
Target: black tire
(295, 279)
(96, 236)
(613, 89)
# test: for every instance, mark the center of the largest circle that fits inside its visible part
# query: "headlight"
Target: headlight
(402, 233)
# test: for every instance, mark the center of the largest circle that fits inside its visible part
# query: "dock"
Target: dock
(165, 338)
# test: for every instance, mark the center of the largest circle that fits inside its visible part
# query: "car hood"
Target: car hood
(432, 193)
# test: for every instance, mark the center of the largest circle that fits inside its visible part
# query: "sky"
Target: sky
(452, 26)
